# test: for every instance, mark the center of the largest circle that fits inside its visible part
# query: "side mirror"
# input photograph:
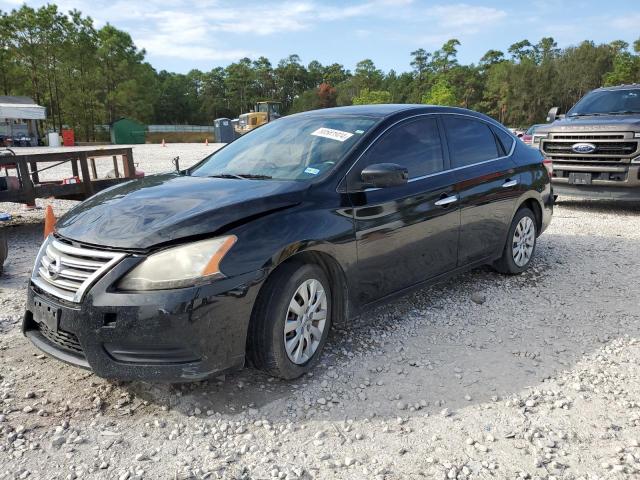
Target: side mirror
(552, 115)
(520, 135)
(382, 175)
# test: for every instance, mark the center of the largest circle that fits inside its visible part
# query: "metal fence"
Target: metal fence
(180, 128)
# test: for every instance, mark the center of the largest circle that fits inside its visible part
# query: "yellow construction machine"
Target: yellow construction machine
(264, 112)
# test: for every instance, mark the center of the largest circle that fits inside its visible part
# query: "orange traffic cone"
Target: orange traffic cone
(163, 144)
(206, 141)
(49, 221)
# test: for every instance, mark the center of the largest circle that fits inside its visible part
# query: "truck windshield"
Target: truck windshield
(291, 148)
(603, 102)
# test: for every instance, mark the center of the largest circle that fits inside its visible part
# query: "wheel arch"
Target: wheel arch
(535, 205)
(317, 254)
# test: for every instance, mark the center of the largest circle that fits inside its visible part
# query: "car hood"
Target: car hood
(617, 123)
(163, 208)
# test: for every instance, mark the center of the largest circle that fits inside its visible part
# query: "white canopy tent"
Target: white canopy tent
(22, 111)
(18, 116)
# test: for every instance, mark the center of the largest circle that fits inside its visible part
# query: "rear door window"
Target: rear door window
(470, 141)
(414, 144)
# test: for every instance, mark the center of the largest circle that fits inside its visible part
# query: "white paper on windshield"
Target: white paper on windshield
(338, 135)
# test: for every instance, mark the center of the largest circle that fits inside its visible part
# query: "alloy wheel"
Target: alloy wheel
(524, 238)
(305, 322)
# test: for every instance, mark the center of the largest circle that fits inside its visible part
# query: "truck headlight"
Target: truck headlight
(182, 266)
(637, 135)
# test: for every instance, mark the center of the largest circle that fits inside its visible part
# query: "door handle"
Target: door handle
(510, 183)
(448, 200)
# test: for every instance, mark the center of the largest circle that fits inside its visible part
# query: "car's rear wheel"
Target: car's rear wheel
(291, 321)
(521, 244)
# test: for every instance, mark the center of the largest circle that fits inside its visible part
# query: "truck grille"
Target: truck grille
(66, 271)
(614, 136)
(610, 147)
(602, 148)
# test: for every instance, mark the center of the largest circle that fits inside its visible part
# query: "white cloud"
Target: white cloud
(217, 30)
(263, 19)
(183, 35)
(628, 22)
(466, 16)
(170, 28)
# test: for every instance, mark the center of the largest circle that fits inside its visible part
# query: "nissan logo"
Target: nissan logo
(54, 268)
(583, 147)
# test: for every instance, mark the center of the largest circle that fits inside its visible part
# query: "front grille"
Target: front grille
(66, 271)
(610, 147)
(584, 159)
(602, 148)
(151, 354)
(614, 136)
(65, 340)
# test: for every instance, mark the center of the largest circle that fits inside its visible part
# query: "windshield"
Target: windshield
(291, 148)
(608, 102)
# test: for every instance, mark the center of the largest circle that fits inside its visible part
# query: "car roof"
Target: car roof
(618, 87)
(379, 111)
(387, 110)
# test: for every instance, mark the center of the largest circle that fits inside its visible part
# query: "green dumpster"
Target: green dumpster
(126, 131)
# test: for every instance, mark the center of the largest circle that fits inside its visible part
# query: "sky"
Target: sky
(179, 35)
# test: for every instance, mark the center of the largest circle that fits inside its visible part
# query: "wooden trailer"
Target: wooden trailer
(82, 182)
(21, 182)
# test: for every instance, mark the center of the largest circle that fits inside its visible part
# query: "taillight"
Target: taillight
(548, 164)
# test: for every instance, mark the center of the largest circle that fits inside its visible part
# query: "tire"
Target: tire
(4, 250)
(266, 342)
(512, 262)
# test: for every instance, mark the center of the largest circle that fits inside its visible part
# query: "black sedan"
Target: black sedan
(256, 251)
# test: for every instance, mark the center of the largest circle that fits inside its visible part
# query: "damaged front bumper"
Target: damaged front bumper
(179, 335)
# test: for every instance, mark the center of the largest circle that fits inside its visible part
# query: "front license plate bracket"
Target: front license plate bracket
(46, 313)
(580, 178)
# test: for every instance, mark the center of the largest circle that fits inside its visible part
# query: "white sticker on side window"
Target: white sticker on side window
(338, 135)
(311, 170)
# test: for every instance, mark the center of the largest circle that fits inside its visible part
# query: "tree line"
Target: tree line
(88, 76)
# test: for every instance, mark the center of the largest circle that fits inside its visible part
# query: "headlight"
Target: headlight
(637, 135)
(181, 266)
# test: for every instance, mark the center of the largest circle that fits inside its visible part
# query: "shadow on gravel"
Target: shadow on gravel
(436, 346)
(600, 206)
(23, 241)
(433, 349)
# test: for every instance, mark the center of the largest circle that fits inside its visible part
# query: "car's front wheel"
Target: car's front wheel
(4, 250)
(291, 321)
(521, 244)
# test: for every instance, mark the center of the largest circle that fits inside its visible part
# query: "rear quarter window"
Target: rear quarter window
(505, 139)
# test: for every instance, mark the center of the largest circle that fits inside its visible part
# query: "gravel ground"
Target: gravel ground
(484, 376)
